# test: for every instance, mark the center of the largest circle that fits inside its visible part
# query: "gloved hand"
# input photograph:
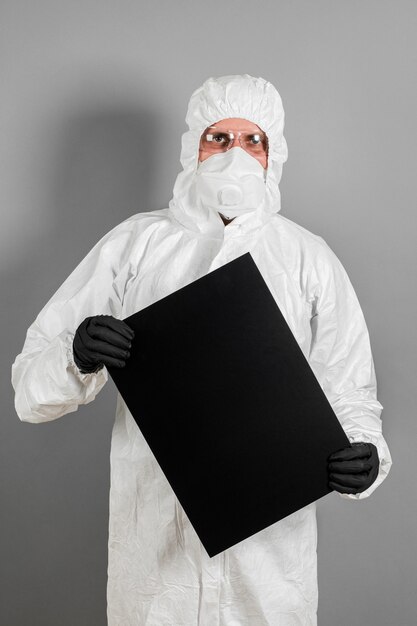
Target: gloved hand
(353, 470)
(101, 340)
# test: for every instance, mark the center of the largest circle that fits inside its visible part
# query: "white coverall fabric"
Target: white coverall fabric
(158, 573)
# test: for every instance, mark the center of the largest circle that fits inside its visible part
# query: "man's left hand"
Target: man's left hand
(353, 470)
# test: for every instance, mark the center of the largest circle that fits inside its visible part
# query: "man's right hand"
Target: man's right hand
(101, 340)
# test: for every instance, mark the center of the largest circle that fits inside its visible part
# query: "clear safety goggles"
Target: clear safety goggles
(214, 141)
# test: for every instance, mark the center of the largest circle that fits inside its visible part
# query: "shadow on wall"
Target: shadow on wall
(101, 176)
(98, 174)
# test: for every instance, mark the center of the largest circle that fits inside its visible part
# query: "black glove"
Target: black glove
(353, 470)
(101, 340)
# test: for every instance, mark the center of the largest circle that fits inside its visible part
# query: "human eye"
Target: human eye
(220, 138)
(255, 140)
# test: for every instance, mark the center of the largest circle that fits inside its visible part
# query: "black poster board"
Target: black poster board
(229, 405)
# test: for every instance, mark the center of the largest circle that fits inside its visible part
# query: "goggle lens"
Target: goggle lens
(221, 141)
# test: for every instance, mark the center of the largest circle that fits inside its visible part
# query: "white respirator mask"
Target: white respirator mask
(231, 183)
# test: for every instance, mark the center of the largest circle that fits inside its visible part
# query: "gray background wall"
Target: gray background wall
(83, 85)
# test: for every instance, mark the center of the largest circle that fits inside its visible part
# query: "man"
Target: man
(225, 203)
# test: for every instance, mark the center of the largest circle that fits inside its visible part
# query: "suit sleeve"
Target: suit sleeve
(342, 361)
(46, 381)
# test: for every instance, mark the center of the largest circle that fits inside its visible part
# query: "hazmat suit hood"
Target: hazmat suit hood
(239, 96)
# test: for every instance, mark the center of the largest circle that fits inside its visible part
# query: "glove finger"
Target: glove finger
(82, 352)
(98, 349)
(110, 361)
(107, 335)
(342, 488)
(119, 326)
(350, 480)
(355, 452)
(354, 466)
(82, 334)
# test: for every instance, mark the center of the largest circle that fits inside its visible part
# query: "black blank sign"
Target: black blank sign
(228, 404)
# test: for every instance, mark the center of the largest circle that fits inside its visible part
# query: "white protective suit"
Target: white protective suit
(159, 573)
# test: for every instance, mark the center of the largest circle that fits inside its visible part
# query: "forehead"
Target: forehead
(235, 123)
